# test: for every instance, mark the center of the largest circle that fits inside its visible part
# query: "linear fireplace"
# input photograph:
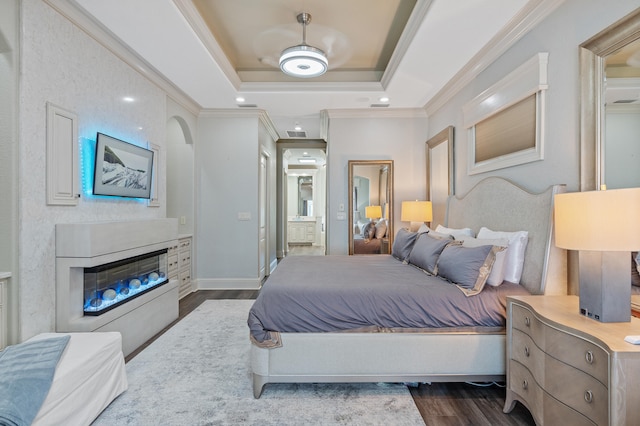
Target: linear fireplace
(111, 285)
(112, 276)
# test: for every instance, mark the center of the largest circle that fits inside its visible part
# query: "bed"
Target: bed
(89, 373)
(413, 351)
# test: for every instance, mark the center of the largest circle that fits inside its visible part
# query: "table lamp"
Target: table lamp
(373, 212)
(416, 212)
(605, 227)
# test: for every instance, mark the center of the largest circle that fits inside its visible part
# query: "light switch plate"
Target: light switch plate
(341, 216)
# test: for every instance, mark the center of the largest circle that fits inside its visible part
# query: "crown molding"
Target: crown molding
(195, 21)
(77, 15)
(415, 20)
(377, 113)
(528, 18)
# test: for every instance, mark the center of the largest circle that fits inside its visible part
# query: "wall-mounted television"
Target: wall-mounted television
(121, 168)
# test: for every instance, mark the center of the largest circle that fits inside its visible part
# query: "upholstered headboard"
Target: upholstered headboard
(500, 205)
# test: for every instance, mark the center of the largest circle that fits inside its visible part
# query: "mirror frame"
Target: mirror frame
(592, 58)
(447, 174)
(389, 164)
(592, 61)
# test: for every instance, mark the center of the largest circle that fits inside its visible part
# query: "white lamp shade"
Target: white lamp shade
(598, 220)
(416, 211)
(373, 212)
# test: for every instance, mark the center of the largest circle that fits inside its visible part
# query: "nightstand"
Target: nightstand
(568, 369)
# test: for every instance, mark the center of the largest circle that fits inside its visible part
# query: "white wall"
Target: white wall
(397, 135)
(560, 34)
(180, 178)
(227, 158)
(622, 149)
(63, 65)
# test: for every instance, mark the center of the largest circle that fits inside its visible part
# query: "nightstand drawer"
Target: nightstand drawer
(525, 351)
(578, 352)
(577, 389)
(556, 413)
(524, 320)
(521, 381)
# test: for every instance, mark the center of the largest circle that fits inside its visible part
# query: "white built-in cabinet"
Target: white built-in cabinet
(302, 232)
(180, 265)
(63, 180)
(184, 266)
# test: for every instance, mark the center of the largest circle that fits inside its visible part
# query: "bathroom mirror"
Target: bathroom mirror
(370, 206)
(305, 196)
(610, 111)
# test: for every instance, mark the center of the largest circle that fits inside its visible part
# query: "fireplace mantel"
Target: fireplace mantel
(86, 245)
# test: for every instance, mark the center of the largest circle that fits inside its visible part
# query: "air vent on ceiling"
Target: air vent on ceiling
(247, 106)
(379, 105)
(625, 101)
(296, 133)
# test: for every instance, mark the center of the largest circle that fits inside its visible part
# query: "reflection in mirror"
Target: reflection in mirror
(610, 114)
(370, 206)
(614, 48)
(305, 196)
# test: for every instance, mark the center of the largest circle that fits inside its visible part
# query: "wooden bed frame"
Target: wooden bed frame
(441, 356)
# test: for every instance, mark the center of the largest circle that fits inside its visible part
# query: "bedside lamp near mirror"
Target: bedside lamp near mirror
(605, 227)
(416, 212)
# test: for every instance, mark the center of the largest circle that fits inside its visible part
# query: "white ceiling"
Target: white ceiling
(174, 39)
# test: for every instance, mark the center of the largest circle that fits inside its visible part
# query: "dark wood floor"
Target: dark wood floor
(445, 404)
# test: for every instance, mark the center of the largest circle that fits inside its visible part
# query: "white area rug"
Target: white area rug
(197, 373)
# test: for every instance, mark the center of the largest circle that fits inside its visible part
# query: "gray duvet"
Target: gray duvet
(338, 293)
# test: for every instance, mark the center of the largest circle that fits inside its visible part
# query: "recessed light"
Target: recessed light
(307, 160)
(128, 99)
(384, 99)
(240, 99)
(297, 128)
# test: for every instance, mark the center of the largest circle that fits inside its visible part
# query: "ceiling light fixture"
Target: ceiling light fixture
(303, 60)
(307, 160)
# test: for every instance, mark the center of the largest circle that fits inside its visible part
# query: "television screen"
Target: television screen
(121, 168)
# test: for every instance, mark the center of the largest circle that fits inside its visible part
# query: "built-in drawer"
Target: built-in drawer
(557, 413)
(581, 354)
(185, 258)
(185, 243)
(173, 262)
(526, 352)
(521, 382)
(577, 389)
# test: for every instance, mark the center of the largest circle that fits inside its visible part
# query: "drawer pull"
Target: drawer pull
(527, 321)
(526, 351)
(525, 385)
(588, 356)
(588, 396)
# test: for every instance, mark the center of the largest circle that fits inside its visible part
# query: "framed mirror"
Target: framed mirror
(370, 206)
(440, 173)
(610, 114)
(607, 73)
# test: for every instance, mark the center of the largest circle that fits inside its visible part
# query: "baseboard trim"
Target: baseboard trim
(228, 284)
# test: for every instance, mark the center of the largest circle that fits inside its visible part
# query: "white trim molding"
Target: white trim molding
(528, 79)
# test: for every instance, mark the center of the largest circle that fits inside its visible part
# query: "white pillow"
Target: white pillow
(423, 228)
(515, 254)
(458, 233)
(496, 277)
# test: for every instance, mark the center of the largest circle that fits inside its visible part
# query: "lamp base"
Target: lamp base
(605, 285)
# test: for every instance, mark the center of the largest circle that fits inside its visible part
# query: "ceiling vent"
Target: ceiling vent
(379, 105)
(296, 133)
(625, 101)
(247, 106)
